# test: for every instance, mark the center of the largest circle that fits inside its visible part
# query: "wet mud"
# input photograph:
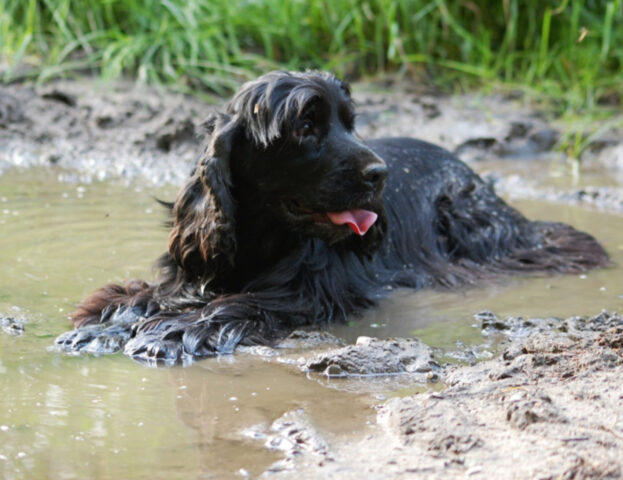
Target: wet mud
(11, 326)
(533, 398)
(371, 356)
(547, 407)
(101, 131)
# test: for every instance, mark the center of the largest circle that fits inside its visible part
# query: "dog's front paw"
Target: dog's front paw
(98, 339)
(107, 337)
(76, 340)
(154, 348)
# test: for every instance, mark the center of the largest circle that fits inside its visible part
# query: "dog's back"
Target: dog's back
(446, 226)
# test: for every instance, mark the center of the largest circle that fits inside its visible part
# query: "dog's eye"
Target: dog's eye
(305, 130)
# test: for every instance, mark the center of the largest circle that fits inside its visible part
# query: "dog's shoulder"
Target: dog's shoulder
(398, 150)
(410, 158)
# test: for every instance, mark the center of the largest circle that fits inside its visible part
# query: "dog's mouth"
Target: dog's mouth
(358, 219)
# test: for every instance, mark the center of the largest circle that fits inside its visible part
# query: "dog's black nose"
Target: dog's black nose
(375, 174)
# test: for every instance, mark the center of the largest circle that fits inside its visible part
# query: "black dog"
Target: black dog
(290, 219)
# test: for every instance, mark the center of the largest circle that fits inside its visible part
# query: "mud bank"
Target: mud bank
(100, 131)
(548, 407)
(606, 198)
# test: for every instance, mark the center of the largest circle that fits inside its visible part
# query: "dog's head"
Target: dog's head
(285, 148)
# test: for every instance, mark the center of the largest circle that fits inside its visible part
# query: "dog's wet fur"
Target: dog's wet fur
(253, 252)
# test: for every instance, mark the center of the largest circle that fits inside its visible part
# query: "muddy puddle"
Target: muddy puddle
(65, 417)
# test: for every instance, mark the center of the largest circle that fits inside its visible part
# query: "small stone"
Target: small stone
(432, 377)
(333, 371)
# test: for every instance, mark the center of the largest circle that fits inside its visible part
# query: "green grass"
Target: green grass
(568, 50)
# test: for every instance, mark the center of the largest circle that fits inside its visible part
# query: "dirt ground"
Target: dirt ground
(120, 131)
(549, 406)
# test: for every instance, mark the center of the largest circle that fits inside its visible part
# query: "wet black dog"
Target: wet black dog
(290, 219)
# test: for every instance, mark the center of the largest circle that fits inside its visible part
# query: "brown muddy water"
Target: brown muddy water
(66, 417)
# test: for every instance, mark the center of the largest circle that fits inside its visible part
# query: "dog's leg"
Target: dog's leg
(562, 249)
(242, 319)
(481, 234)
(100, 306)
(104, 320)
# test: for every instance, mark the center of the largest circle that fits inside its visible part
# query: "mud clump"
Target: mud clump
(526, 408)
(10, 110)
(294, 434)
(371, 356)
(11, 326)
(60, 96)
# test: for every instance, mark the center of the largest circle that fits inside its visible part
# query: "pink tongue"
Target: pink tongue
(358, 220)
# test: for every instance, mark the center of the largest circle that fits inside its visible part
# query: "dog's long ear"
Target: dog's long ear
(203, 240)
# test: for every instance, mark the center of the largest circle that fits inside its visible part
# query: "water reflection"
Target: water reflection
(231, 404)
